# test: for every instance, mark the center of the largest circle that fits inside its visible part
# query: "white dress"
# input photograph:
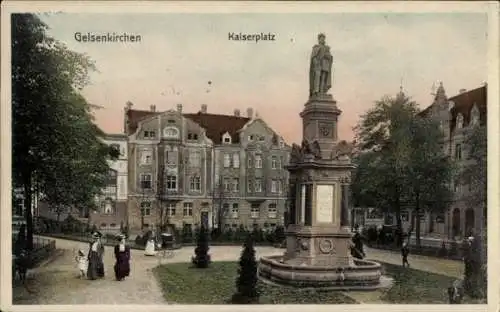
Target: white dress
(150, 248)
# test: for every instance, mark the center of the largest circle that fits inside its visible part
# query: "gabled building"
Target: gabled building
(188, 169)
(457, 116)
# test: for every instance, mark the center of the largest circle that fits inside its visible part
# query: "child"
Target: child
(81, 260)
(404, 253)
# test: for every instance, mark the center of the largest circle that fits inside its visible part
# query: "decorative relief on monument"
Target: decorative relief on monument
(307, 149)
(324, 203)
(326, 129)
(305, 245)
(326, 246)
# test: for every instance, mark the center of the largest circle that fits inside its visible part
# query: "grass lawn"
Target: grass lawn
(183, 284)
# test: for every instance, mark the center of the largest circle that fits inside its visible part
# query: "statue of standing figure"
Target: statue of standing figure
(320, 72)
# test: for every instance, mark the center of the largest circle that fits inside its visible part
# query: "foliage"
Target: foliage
(246, 282)
(400, 160)
(55, 143)
(202, 258)
(215, 285)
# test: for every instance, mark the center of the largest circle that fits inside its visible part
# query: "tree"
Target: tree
(401, 162)
(383, 141)
(430, 171)
(474, 173)
(55, 147)
(218, 202)
(246, 282)
(202, 258)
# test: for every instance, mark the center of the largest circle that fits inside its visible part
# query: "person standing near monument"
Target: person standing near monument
(320, 68)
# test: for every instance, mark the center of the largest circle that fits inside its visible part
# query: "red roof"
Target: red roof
(464, 103)
(215, 125)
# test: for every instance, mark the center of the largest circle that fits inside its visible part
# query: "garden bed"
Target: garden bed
(183, 284)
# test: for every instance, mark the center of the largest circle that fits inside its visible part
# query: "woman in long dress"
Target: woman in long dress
(94, 258)
(150, 247)
(122, 256)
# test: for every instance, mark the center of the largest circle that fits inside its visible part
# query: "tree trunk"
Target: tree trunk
(399, 224)
(28, 214)
(417, 222)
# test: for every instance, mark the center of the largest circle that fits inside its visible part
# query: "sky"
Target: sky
(180, 53)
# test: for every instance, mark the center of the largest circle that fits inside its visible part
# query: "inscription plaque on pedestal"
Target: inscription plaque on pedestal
(324, 203)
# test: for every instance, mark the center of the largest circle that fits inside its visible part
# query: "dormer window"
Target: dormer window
(192, 137)
(250, 138)
(460, 121)
(474, 118)
(171, 133)
(149, 134)
(226, 138)
(262, 138)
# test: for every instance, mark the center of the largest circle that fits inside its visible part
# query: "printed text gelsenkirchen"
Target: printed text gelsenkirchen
(106, 37)
(256, 37)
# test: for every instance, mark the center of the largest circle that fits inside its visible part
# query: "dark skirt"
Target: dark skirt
(122, 265)
(95, 269)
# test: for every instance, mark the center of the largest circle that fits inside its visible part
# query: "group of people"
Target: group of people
(92, 265)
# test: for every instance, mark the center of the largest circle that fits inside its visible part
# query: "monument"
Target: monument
(318, 238)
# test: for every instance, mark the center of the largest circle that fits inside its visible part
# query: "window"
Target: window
(405, 217)
(171, 133)
(249, 186)
(226, 138)
(145, 208)
(258, 161)
(195, 159)
(192, 136)
(274, 162)
(146, 181)
(149, 134)
(249, 161)
(227, 160)
(170, 209)
(261, 138)
(258, 185)
(117, 148)
(171, 155)
(236, 185)
(146, 157)
(113, 225)
(275, 186)
(103, 225)
(188, 209)
(171, 183)
(272, 211)
(195, 183)
(171, 121)
(254, 211)
(236, 160)
(234, 211)
(227, 185)
(458, 152)
(250, 138)
(225, 209)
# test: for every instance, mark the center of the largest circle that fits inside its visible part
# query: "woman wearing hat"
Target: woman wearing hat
(95, 263)
(122, 256)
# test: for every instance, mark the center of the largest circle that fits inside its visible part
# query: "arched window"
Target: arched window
(171, 133)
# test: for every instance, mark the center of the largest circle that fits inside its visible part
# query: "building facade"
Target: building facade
(111, 213)
(192, 169)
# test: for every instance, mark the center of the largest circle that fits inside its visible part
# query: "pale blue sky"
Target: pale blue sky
(372, 52)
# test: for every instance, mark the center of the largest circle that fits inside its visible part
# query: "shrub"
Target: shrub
(279, 234)
(246, 282)
(202, 258)
(138, 240)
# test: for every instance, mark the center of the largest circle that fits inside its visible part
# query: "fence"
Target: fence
(42, 249)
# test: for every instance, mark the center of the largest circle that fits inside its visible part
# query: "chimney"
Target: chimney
(152, 108)
(128, 105)
(237, 112)
(462, 91)
(250, 112)
(179, 108)
(203, 108)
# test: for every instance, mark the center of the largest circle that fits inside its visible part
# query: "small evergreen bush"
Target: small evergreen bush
(246, 282)
(202, 258)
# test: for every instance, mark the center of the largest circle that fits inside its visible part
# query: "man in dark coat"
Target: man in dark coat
(357, 248)
(405, 251)
(122, 256)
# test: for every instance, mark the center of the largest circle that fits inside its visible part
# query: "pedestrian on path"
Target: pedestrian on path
(405, 251)
(82, 262)
(96, 253)
(122, 256)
